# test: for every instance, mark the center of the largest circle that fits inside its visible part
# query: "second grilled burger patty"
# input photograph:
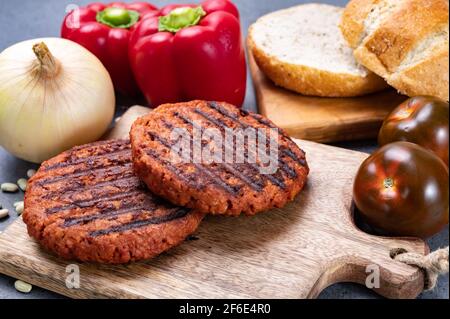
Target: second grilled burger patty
(87, 204)
(226, 188)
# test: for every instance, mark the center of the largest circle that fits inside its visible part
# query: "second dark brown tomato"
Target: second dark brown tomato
(421, 120)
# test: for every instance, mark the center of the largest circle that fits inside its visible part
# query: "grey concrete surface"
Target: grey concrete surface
(28, 19)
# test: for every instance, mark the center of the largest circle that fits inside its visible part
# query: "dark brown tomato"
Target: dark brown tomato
(403, 189)
(421, 120)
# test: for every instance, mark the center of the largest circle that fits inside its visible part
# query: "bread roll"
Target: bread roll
(403, 41)
(302, 49)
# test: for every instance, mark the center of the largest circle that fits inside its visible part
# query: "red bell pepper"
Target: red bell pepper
(188, 52)
(105, 31)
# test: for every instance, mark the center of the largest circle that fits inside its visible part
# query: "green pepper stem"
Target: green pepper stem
(118, 17)
(180, 18)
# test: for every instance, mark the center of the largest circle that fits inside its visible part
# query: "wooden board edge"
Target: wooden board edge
(51, 273)
(356, 271)
(359, 130)
(325, 280)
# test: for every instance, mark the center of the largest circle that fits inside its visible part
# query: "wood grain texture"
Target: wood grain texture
(294, 252)
(322, 119)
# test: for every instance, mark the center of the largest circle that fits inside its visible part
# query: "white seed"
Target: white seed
(31, 172)
(9, 187)
(22, 182)
(19, 207)
(22, 286)
(4, 213)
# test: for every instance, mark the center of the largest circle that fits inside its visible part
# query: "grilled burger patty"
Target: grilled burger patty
(227, 187)
(87, 204)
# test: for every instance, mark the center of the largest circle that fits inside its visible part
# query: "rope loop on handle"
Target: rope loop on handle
(433, 264)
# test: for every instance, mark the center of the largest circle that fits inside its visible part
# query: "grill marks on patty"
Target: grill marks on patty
(155, 220)
(218, 184)
(87, 204)
(201, 171)
(73, 158)
(248, 174)
(112, 167)
(235, 170)
(99, 185)
(285, 151)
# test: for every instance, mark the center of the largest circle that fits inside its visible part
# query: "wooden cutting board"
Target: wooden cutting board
(294, 252)
(322, 119)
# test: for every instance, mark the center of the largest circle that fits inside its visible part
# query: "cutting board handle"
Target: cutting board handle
(387, 277)
(371, 263)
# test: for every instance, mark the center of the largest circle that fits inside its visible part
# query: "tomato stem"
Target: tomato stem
(388, 182)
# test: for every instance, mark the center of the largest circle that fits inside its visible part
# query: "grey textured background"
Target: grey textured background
(27, 19)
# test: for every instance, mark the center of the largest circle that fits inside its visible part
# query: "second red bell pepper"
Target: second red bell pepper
(188, 52)
(105, 31)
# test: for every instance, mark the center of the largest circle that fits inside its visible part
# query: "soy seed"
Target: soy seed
(30, 173)
(4, 213)
(9, 188)
(19, 207)
(22, 286)
(22, 182)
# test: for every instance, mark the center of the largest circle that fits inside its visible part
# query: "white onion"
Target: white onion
(54, 94)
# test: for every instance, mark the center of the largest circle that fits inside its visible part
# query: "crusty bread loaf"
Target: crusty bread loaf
(404, 41)
(302, 49)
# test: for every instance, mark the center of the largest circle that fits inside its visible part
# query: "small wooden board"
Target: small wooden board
(322, 119)
(294, 252)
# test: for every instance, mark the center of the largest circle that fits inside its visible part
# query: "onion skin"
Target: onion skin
(47, 110)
